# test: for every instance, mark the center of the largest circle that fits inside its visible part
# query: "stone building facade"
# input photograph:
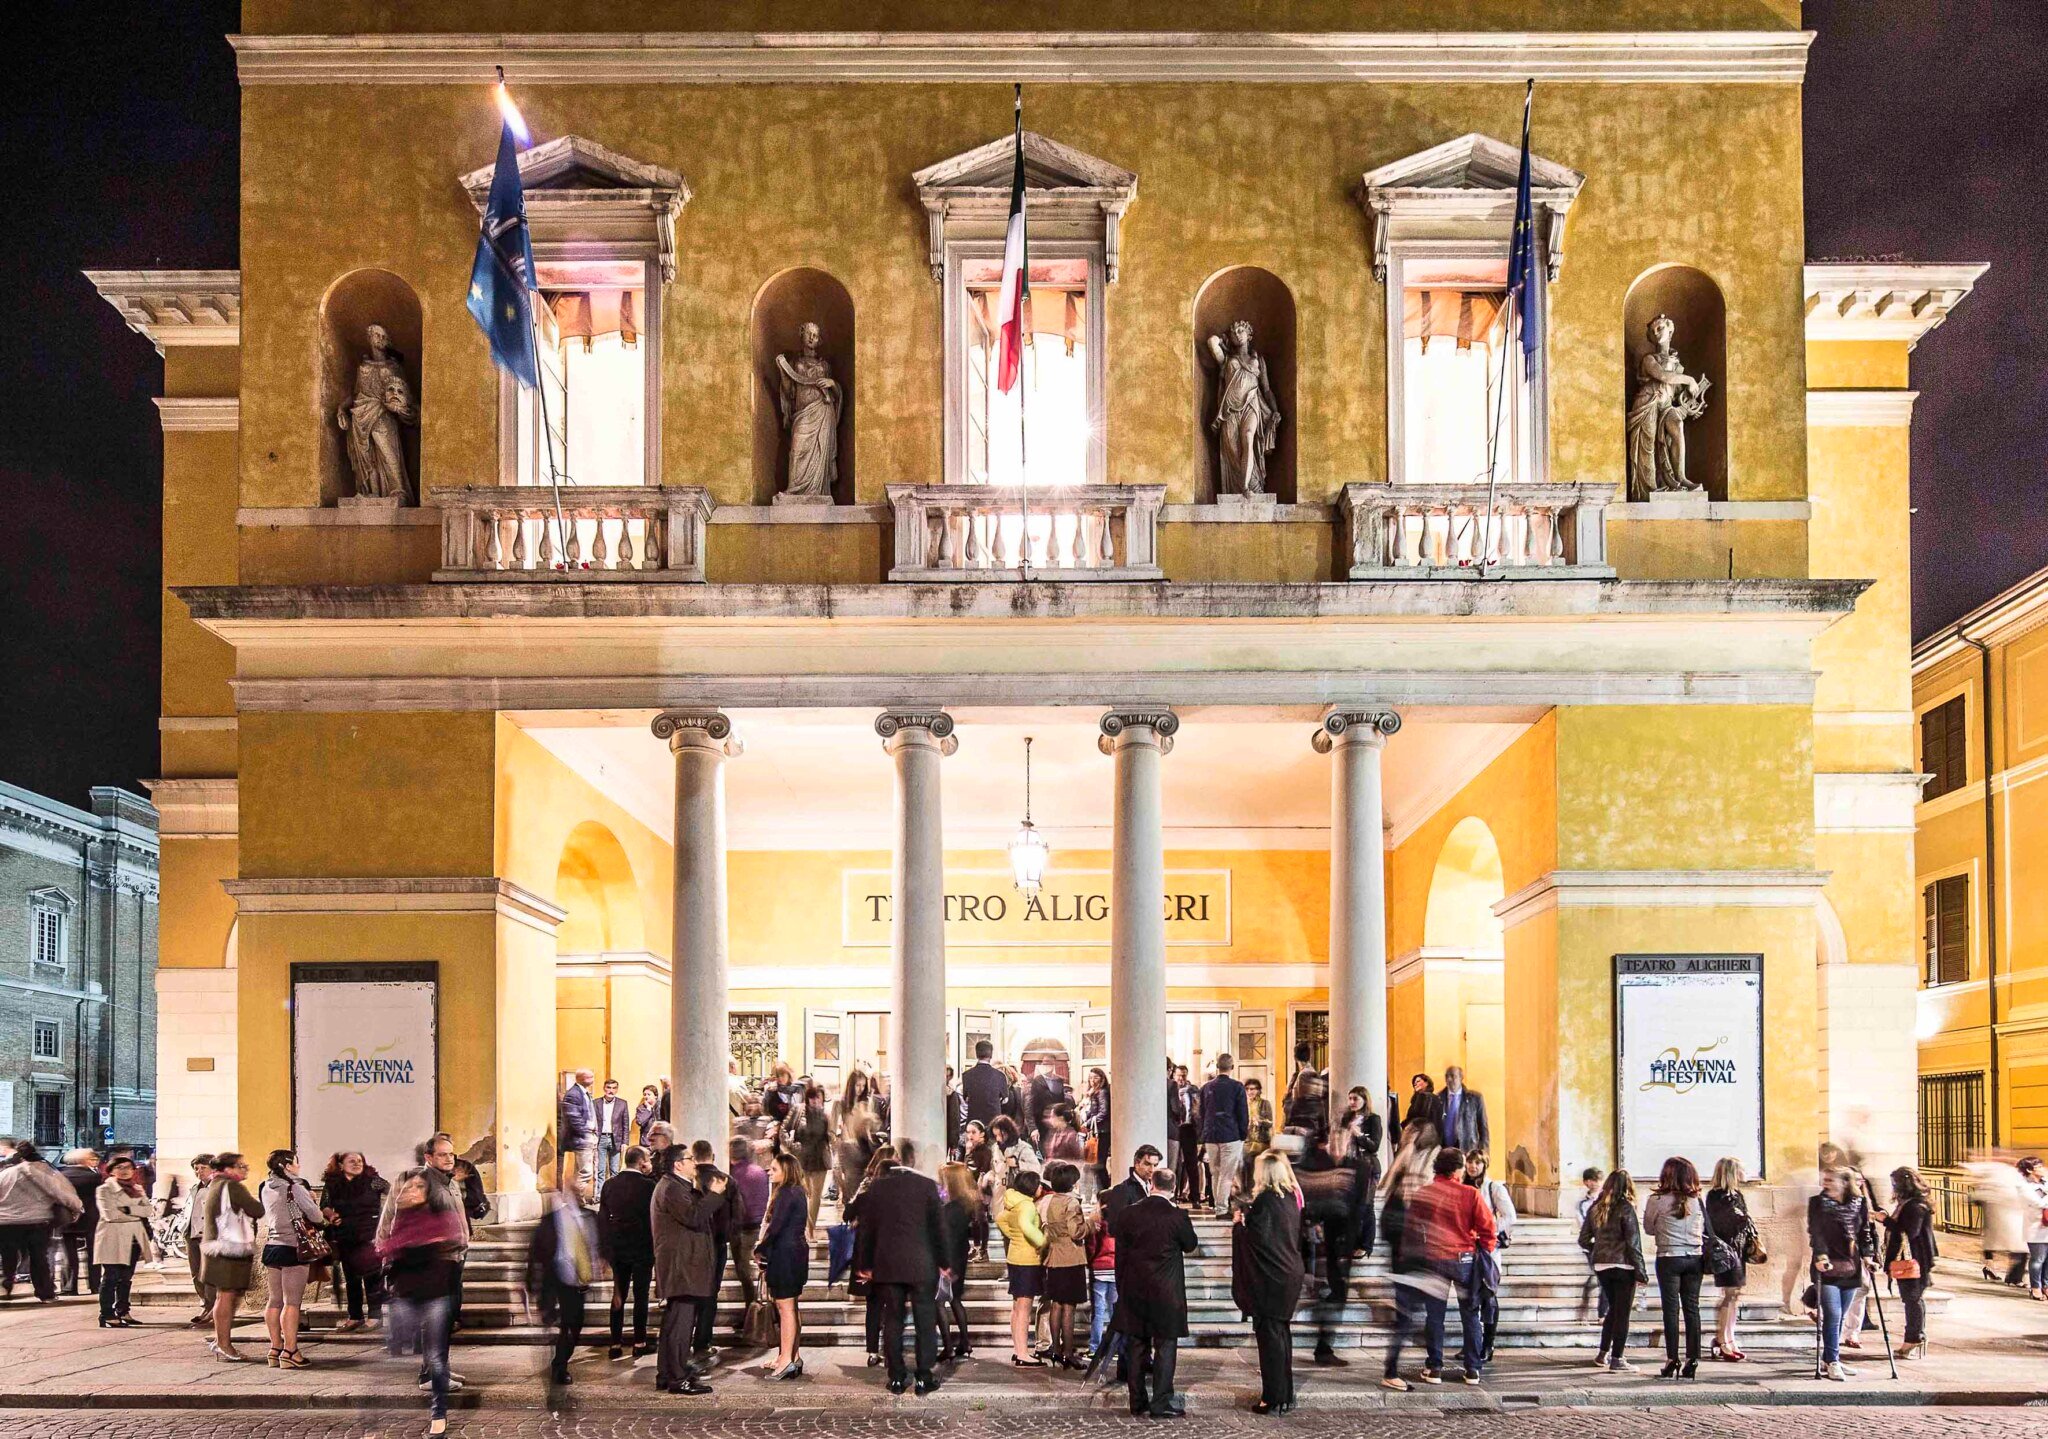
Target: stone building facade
(78, 941)
(1421, 756)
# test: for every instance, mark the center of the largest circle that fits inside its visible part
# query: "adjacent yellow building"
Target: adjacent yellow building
(1983, 1030)
(1552, 720)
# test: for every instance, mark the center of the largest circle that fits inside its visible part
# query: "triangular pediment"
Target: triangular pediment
(1471, 163)
(1048, 166)
(572, 163)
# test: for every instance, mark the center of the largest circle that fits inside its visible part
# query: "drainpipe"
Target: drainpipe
(1990, 874)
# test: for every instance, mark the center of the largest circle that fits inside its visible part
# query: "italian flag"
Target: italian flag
(1016, 278)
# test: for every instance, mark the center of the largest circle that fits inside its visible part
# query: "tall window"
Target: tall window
(1951, 1118)
(1465, 401)
(49, 1040)
(1945, 747)
(594, 340)
(47, 940)
(1052, 390)
(49, 1118)
(1947, 912)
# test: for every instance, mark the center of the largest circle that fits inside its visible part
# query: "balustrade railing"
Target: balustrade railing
(990, 532)
(628, 532)
(1412, 531)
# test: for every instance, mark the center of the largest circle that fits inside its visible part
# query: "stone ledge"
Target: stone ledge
(1634, 510)
(329, 517)
(801, 515)
(1275, 514)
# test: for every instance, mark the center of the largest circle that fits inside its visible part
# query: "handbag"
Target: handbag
(1828, 1267)
(1720, 1254)
(1753, 1246)
(234, 1237)
(760, 1323)
(1903, 1268)
(311, 1244)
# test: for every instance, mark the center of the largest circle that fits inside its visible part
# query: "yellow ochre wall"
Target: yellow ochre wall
(337, 178)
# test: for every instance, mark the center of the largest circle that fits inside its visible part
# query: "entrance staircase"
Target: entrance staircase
(1547, 1300)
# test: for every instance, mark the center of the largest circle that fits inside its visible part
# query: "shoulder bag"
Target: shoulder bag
(233, 1236)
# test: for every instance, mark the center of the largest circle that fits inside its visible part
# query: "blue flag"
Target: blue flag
(501, 279)
(1525, 310)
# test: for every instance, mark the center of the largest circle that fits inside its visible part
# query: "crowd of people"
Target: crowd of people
(1305, 1193)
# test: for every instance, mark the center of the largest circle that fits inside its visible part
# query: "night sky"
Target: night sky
(1924, 130)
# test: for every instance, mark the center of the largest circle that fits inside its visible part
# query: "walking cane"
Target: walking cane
(1877, 1298)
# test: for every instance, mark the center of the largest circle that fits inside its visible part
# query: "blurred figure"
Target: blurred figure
(808, 1135)
(1448, 1226)
(561, 1264)
(419, 1243)
(82, 1172)
(1998, 1188)
(2034, 1213)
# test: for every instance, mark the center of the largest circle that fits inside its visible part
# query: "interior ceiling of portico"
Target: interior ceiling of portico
(819, 779)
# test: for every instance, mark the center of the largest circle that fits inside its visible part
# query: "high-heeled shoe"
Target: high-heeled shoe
(1669, 1371)
(274, 1353)
(1691, 1369)
(292, 1359)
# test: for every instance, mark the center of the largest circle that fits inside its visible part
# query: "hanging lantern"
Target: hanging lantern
(1028, 852)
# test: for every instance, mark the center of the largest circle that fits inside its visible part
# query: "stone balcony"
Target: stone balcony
(524, 532)
(965, 533)
(1524, 531)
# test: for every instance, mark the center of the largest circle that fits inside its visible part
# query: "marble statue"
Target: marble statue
(810, 399)
(370, 419)
(1247, 418)
(1666, 398)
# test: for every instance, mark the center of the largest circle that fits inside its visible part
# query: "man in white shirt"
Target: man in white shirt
(613, 1119)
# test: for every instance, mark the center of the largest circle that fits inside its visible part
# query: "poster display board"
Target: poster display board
(1688, 1065)
(365, 1062)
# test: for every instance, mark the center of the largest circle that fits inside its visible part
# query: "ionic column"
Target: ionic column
(699, 1040)
(1358, 902)
(917, 740)
(1137, 953)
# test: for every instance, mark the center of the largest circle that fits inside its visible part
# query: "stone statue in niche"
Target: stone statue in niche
(1666, 398)
(370, 418)
(1247, 418)
(809, 399)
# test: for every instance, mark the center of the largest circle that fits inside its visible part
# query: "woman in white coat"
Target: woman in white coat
(121, 1240)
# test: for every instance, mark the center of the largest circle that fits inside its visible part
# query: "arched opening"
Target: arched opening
(784, 306)
(353, 304)
(594, 883)
(1463, 945)
(1693, 303)
(1262, 300)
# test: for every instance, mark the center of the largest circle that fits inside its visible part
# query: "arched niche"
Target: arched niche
(1693, 301)
(782, 307)
(352, 304)
(594, 883)
(1246, 292)
(1465, 885)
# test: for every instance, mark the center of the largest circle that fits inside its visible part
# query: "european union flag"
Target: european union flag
(501, 280)
(1527, 313)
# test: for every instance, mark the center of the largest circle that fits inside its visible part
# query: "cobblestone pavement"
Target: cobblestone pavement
(1702, 1422)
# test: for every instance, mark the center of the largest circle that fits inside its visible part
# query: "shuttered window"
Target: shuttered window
(1947, 910)
(1944, 748)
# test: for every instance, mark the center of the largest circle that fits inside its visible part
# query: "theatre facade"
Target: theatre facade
(1552, 720)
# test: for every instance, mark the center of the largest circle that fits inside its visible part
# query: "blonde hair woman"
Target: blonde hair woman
(1266, 1274)
(1728, 1222)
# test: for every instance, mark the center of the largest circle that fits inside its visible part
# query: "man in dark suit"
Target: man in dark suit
(986, 1088)
(1153, 1238)
(625, 1236)
(901, 1208)
(1047, 1090)
(1463, 1113)
(1226, 1124)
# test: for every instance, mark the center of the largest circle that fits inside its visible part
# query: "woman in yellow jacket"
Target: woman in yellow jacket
(1024, 1247)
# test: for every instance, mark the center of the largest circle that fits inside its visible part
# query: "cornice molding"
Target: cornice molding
(196, 808)
(176, 307)
(1661, 889)
(1866, 803)
(1869, 409)
(453, 895)
(1773, 57)
(1857, 301)
(199, 415)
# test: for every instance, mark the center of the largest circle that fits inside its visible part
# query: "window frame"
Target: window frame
(1955, 743)
(56, 905)
(954, 318)
(1932, 974)
(544, 255)
(37, 1027)
(1402, 250)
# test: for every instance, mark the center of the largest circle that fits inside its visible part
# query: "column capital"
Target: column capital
(1160, 720)
(1354, 726)
(897, 727)
(696, 729)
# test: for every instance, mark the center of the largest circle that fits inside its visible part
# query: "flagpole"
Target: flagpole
(1509, 314)
(540, 388)
(1023, 385)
